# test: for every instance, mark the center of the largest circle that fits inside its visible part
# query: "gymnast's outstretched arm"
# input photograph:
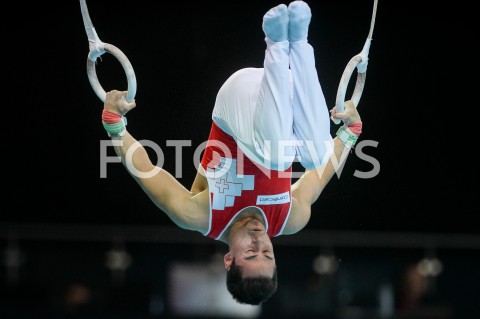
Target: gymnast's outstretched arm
(186, 209)
(308, 188)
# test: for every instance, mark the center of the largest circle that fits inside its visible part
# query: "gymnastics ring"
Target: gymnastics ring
(97, 48)
(127, 67)
(359, 62)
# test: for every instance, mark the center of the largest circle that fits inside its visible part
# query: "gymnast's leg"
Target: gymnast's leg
(273, 118)
(311, 123)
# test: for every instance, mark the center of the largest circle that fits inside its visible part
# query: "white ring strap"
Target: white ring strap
(359, 62)
(97, 48)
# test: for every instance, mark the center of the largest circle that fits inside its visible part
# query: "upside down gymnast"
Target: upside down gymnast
(263, 120)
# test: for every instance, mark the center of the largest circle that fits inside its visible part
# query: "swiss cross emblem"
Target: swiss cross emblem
(225, 184)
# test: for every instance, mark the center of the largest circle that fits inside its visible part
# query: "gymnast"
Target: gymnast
(263, 120)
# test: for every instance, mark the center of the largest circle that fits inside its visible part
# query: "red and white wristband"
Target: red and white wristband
(349, 134)
(114, 123)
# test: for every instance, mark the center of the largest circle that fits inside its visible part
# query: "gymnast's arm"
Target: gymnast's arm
(310, 185)
(186, 209)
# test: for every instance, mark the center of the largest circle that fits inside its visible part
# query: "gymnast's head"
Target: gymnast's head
(250, 263)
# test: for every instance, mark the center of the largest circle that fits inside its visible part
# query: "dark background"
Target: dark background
(419, 104)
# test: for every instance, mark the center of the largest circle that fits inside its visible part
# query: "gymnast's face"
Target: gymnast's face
(252, 249)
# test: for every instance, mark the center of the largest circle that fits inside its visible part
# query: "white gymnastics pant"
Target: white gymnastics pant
(278, 112)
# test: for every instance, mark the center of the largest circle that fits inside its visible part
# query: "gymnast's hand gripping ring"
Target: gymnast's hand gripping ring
(97, 48)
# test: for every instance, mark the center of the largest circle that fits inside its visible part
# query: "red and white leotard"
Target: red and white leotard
(236, 183)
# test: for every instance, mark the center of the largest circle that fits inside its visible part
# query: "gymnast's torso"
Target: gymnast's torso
(236, 184)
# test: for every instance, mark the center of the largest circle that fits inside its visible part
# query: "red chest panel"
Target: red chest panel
(236, 183)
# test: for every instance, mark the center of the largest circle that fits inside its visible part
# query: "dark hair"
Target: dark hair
(252, 291)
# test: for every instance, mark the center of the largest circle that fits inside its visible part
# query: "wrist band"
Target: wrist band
(347, 134)
(356, 128)
(114, 123)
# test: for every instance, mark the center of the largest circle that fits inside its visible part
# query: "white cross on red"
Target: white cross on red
(225, 184)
